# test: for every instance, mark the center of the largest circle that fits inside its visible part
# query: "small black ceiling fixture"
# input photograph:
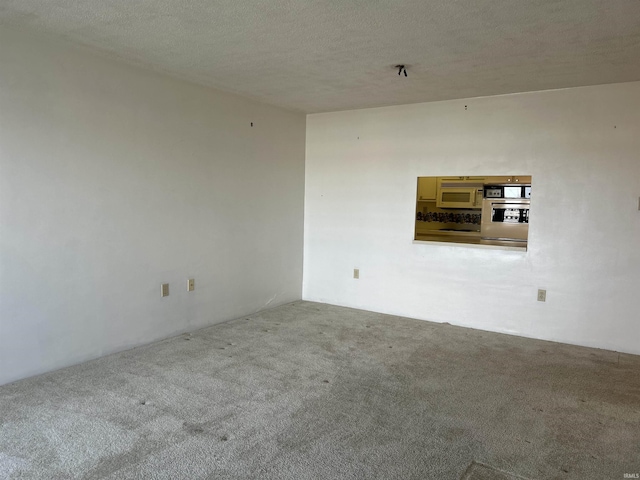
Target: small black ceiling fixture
(401, 68)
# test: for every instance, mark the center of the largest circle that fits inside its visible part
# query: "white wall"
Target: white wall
(114, 179)
(582, 147)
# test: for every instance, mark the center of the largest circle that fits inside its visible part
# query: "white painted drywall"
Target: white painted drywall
(582, 147)
(113, 180)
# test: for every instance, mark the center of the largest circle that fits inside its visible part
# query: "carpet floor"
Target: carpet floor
(313, 391)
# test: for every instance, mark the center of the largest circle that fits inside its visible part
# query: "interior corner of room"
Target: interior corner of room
(279, 239)
(116, 179)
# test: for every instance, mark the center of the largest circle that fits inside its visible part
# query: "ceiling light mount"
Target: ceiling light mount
(401, 68)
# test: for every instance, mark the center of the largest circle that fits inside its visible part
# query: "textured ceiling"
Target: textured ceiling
(326, 55)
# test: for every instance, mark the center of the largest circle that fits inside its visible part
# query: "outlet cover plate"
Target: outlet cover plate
(542, 295)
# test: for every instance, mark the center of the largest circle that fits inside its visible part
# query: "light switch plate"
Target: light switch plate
(356, 273)
(191, 285)
(542, 295)
(164, 290)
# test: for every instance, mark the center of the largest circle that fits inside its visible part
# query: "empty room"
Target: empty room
(320, 240)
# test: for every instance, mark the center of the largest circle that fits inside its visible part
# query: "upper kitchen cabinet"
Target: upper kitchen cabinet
(462, 179)
(512, 179)
(476, 179)
(498, 180)
(522, 179)
(427, 187)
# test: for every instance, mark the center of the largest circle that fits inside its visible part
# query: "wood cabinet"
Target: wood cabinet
(522, 179)
(497, 180)
(427, 187)
(508, 179)
(461, 179)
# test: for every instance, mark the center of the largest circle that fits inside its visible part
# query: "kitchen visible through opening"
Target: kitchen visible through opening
(480, 210)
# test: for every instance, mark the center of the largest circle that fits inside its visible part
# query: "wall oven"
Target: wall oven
(505, 212)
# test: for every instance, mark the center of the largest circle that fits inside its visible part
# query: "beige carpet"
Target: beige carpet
(312, 391)
(478, 471)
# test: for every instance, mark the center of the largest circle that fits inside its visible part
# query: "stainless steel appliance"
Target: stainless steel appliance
(459, 194)
(507, 191)
(505, 212)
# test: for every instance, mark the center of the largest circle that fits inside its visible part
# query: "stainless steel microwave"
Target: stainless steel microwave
(459, 195)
